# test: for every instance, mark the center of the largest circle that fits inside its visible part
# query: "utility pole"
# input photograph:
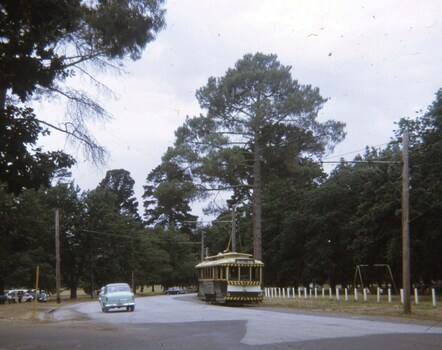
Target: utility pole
(405, 225)
(57, 255)
(234, 228)
(91, 267)
(202, 245)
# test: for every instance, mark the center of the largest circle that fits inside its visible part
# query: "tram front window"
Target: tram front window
(233, 273)
(245, 273)
(256, 274)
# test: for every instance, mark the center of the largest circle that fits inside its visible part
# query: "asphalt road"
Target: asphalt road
(182, 322)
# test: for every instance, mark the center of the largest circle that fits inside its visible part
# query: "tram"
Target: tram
(230, 277)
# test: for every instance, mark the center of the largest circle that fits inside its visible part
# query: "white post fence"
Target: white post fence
(305, 293)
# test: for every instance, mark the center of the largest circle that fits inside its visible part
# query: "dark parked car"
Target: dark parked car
(175, 290)
(42, 297)
(3, 299)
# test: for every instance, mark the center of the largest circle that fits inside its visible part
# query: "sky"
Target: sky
(375, 61)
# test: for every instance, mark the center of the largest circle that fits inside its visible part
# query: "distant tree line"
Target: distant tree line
(102, 237)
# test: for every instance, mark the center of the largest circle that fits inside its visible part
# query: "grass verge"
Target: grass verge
(424, 311)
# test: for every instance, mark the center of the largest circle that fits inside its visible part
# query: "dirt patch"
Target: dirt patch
(26, 311)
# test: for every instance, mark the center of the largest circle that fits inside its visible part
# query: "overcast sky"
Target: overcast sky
(376, 61)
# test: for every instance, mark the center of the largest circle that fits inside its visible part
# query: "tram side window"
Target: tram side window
(220, 272)
(245, 273)
(233, 273)
(256, 273)
(207, 273)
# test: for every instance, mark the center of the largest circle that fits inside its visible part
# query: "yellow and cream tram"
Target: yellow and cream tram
(230, 277)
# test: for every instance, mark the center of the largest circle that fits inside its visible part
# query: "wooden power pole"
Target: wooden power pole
(406, 283)
(233, 238)
(57, 255)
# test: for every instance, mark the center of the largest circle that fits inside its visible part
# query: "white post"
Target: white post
(323, 293)
(416, 296)
(293, 292)
(433, 294)
(283, 293)
(338, 297)
(365, 294)
(299, 292)
(288, 292)
(346, 294)
(389, 295)
(356, 294)
(279, 293)
(402, 296)
(316, 293)
(331, 293)
(310, 292)
(379, 295)
(305, 293)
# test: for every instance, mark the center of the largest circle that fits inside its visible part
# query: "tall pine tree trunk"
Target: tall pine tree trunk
(3, 92)
(257, 235)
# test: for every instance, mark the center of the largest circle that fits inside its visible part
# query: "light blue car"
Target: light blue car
(116, 295)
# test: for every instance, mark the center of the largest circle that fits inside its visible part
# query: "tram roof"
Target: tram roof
(229, 258)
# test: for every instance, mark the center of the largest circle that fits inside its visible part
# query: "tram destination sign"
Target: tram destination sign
(244, 261)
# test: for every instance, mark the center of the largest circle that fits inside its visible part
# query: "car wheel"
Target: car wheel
(105, 309)
(132, 308)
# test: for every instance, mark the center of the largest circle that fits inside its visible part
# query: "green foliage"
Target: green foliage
(30, 31)
(426, 191)
(26, 240)
(167, 197)
(45, 39)
(22, 164)
(122, 184)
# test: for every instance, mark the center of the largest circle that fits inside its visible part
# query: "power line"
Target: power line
(151, 239)
(360, 150)
(362, 161)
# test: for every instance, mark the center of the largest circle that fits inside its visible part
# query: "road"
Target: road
(182, 322)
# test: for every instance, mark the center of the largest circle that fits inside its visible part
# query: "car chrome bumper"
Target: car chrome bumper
(125, 304)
